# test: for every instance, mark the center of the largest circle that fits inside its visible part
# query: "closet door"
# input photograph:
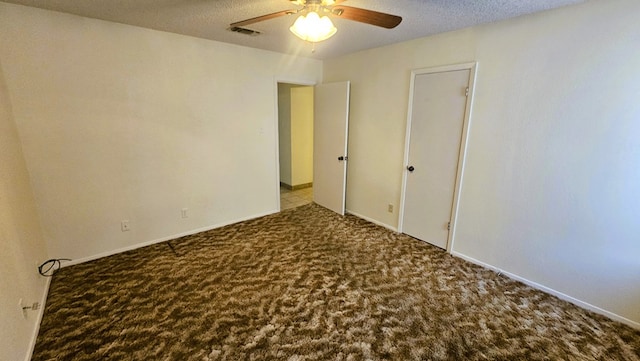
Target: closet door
(437, 114)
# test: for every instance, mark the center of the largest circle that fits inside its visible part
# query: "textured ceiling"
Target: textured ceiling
(210, 19)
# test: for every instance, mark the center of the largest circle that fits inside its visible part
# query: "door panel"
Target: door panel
(330, 131)
(437, 117)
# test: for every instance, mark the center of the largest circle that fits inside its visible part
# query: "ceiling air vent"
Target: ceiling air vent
(245, 31)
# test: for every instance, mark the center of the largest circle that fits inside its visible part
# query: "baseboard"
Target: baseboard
(372, 221)
(36, 330)
(296, 187)
(551, 291)
(163, 239)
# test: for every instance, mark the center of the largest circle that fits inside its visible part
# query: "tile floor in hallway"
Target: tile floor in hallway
(295, 198)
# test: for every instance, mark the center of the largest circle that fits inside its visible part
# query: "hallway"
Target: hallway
(295, 198)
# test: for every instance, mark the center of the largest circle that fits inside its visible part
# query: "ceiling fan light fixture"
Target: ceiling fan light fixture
(313, 28)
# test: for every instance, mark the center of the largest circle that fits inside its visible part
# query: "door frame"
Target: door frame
(283, 80)
(472, 67)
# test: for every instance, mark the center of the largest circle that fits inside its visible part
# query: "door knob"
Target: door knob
(410, 168)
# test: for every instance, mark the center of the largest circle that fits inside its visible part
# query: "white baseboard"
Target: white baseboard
(163, 239)
(551, 291)
(36, 330)
(372, 220)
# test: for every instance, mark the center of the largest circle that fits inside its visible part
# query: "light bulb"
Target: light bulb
(313, 28)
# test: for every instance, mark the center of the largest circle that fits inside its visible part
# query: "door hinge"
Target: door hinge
(448, 226)
(466, 92)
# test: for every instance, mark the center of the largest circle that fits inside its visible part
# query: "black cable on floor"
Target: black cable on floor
(49, 267)
(173, 249)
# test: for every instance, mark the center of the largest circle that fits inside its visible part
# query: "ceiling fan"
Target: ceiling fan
(314, 24)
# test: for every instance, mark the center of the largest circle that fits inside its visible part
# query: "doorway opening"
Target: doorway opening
(295, 144)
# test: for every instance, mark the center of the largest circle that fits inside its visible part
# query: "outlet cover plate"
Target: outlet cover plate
(124, 225)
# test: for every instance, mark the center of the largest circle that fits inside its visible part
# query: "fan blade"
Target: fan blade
(367, 16)
(263, 18)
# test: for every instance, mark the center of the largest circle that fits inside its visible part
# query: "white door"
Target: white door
(437, 114)
(330, 130)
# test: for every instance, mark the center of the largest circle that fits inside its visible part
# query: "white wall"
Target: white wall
(301, 135)
(550, 190)
(22, 246)
(119, 122)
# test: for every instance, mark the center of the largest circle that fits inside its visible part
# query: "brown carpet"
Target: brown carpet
(306, 284)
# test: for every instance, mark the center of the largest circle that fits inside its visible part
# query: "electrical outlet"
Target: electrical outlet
(390, 208)
(34, 307)
(185, 212)
(124, 225)
(22, 309)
